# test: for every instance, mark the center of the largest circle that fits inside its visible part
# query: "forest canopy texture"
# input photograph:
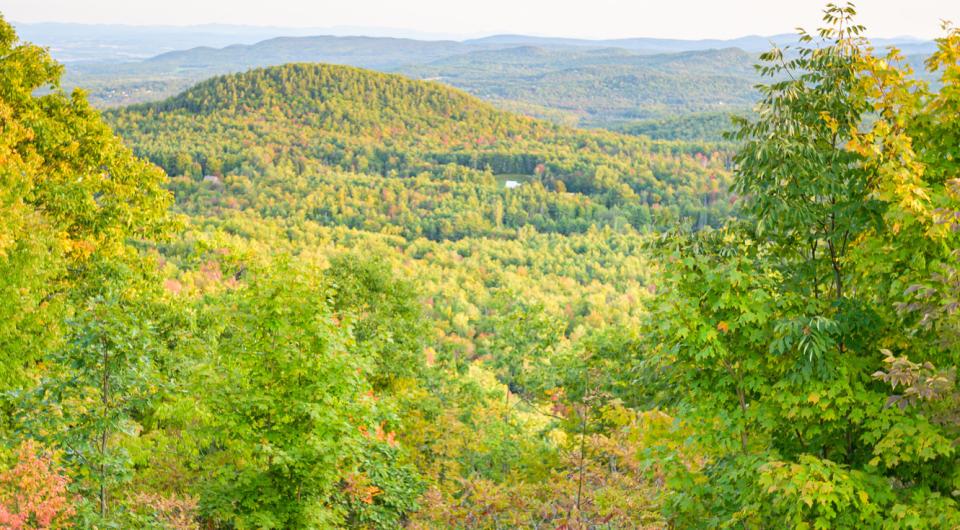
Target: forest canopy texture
(315, 296)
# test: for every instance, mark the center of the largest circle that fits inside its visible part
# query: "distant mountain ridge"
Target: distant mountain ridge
(600, 87)
(751, 43)
(368, 52)
(559, 82)
(70, 42)
(594, 83)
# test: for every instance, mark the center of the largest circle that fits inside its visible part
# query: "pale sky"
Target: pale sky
(562, 18)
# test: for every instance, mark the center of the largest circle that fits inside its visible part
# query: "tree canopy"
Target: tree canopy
(345, 299)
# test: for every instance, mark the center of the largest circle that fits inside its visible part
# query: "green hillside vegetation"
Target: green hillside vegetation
(298, 124)
(167, 74)
(332, 311)
(508, 280)
(603, 86)
(591, 86)
(695, 127)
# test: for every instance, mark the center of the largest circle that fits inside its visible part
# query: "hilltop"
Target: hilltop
(598, 86)
(619, 84)
(594, 86)
(307, 121)
(324, 97)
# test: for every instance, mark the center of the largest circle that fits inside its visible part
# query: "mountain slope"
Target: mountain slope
(119, 83)
(309, 124)
(371, 103)
(600, 86)
(603, 86)
(589, 86)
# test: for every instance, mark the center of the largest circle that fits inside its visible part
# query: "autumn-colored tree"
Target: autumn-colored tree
(33, 491)
(70, 192)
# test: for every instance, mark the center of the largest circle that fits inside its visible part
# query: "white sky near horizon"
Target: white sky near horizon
(687, 19)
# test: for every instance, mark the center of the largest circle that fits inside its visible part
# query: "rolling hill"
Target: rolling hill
(166, 74)
(600, 87)
(366, 52)
(298, 127)
(613, 83)
(358, 300)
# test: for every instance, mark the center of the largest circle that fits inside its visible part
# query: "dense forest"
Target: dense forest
(315, 296)
(601, 87)
(594, 84)
(595, 87)
(435, 161)
(662, 88)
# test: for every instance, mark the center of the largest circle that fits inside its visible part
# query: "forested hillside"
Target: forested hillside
(306, 125)
(621, 84)
(602, 87)
(315, 296)
(589, 86)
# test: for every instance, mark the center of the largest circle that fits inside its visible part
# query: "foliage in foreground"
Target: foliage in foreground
(299, 350)
(810, 338)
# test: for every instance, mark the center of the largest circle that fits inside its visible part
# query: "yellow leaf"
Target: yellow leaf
(814, 398)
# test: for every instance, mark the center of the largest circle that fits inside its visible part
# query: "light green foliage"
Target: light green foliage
(292, 415)
(700, 126)
(774, 332)
(105, 376)
(385, 317)
(294, 130)
(817, 493)
(359, 325)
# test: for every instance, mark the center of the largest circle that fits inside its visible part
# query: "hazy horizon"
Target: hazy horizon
(401, 32)
(433, 19)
